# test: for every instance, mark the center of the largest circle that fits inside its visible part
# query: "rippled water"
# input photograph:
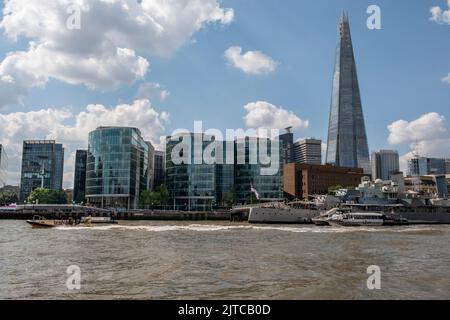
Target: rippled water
(201, 260)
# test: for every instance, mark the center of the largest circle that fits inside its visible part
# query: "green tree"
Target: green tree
(47, 196)
(229, 198)
(7, 198)
(163, 194)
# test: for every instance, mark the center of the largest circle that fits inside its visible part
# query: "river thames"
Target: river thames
(222, 260)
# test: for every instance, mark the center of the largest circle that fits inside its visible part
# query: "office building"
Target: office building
(248, 175)
(421, 166)
(347, 141)
(160, 169)
(42, 166)
(308, 151)
(384, 164)
(79, 183)
(287, 145)
(3, 166)
(191, 185)
(301, 181)
(117, 167)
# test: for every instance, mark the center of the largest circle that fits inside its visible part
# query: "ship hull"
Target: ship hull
(281, 216)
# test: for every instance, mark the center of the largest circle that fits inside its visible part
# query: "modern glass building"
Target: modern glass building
(117, 168)
(421, 166)
(191, 186)
(3, 166)
(385, 163)
(347, 141)
(42, 166)
(197, 186)
(287, 145)
(160, 169)
(246, 175)
(79, 183)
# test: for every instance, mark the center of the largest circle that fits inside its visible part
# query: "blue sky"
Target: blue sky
(400, 69)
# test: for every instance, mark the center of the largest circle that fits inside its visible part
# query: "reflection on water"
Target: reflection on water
(177, 260)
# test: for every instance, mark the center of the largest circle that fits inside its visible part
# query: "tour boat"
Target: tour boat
(357, 219)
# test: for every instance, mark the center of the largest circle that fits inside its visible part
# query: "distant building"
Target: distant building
(287, 146)
(3, 166)
(427, 185)
(246, 175)
(421, 166)
(79, 183)
(304, 180)
(308, 151)
(384, 164)
(69, 195)
(347, 140)
(160, 169)
(42, 166)
(117, 167)
(151, 166)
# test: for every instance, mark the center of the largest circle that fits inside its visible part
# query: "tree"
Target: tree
(7, 198)
(47, 196)
(163, 194)
(229, 198)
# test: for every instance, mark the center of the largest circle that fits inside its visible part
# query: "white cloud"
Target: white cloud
(428, 135)
(439, 15)
(150, 90)
(251, 62)
(264, 115)
(103, 53)
(446, 79)
(72, 129)
(427, 127)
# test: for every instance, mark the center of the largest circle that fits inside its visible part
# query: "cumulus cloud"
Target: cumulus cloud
(251, 62)
(264, 115)
(150, 90)
(427, 127)
(439, 15)
(103, 52)
(72, 129)
(427, 134)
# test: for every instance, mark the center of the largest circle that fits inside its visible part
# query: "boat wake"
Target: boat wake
(227, 228)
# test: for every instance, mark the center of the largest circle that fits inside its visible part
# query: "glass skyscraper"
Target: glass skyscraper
(117, 168)
(79, 183)
(347, 141)
(3, 166)
(384, 164)
(42, 166)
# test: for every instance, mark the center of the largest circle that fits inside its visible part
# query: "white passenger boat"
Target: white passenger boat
(357, 219)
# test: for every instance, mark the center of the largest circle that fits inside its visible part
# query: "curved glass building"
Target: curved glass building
(117, 168)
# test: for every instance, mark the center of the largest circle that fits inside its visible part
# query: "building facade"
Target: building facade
(421, 166)
(287, 146)
(248, 174)
(42, 166)
(117, 167)
(347, 140)
(191, 185)
(79, 183)
(308, 151)
(3, 166)
(160, 169)
(384, 164)
(301, 181)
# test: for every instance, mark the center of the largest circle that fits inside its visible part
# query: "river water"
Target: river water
(221, 260)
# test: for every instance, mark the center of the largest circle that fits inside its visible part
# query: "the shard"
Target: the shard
(347, 140)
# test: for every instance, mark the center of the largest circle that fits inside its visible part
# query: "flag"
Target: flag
(253, 190)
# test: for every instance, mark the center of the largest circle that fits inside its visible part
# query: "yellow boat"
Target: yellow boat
(41, 222)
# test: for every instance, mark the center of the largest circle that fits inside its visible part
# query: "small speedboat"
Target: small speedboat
(41, 222)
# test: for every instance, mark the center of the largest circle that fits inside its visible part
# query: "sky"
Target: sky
(160, 65)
